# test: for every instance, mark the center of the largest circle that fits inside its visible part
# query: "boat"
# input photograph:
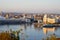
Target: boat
(49, 25)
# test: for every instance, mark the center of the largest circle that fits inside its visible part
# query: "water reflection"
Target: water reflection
(46, 30)
(31, 31)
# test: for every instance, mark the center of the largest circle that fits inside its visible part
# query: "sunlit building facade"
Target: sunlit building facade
(50, 20)
(45, 19)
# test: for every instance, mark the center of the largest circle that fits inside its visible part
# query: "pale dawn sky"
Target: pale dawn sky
(30, 6)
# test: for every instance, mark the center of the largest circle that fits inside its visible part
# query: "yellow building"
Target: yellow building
(45, 19)
(6, 16)
(50, 20)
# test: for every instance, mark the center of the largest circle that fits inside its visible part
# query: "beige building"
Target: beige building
(50, 20)
(45, 19)
(7, 15)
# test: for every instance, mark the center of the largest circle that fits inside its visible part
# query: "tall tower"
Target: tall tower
(45, 19)
(7, 15)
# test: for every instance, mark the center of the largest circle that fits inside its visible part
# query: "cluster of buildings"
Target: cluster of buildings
(40, 18)
(16, 15)
(51, 19)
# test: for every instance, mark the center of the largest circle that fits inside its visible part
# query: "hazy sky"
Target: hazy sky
(30, 6)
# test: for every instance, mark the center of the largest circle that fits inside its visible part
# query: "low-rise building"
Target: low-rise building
(50, 20)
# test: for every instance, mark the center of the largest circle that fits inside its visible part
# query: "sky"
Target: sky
(30, 6)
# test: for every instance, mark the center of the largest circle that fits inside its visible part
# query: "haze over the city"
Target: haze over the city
(30, 6)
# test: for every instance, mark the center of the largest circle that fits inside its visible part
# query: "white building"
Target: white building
(2, 18)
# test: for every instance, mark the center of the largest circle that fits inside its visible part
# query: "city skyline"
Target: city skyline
(30, 6)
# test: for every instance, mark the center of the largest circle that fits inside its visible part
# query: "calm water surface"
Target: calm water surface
(31, 32)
